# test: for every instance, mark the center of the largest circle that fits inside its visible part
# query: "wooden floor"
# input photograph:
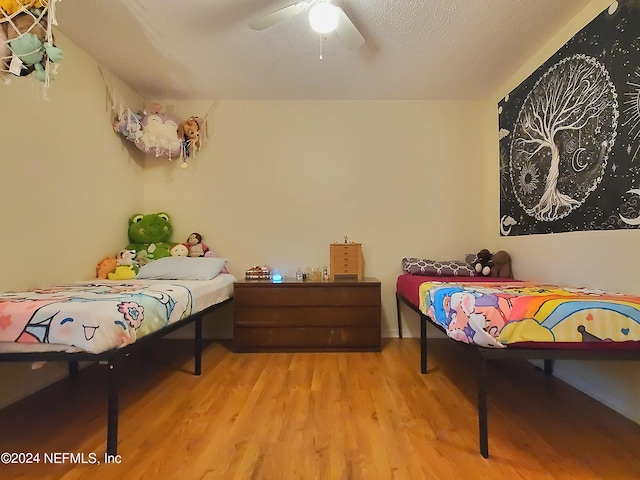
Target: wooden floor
(319, 416)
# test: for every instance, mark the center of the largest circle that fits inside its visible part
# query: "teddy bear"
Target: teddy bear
(189, 132)
(501, 265)
(151, 234)
(483, 262)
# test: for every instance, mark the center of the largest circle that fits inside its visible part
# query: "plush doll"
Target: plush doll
(189, 132)
(5, 53)
(179, 250)
(126, 266)
(123, 272)
(9, 7)
(105, 266)
(128, 125)
(195, 246)
(501, 265)
(27, 40)
(126, 257)
(142, 257)
(483, 262)
(150, 233)
(159, 133)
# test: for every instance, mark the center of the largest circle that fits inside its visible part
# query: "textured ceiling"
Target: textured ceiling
(415, 49)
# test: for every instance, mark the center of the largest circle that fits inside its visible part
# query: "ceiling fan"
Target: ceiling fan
(324, 17)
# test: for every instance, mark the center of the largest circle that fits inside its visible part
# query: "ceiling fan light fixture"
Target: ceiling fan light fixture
(323, 17)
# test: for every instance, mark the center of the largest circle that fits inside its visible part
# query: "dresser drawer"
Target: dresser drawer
(345, 267)
(308, 317)
(308, 296)
(297, 315)
(312, 338)
(348, 249)
(353, 262)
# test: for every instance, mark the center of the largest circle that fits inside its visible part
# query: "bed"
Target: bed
(98, 320)
(508, 319)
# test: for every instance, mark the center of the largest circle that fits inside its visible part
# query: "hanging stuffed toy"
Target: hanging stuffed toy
(189, 132)
(129, 125)
(9, 7)
(26, 34)
(159, 133)
(5, 53)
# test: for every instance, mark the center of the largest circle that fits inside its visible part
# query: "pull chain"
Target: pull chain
(321, 36)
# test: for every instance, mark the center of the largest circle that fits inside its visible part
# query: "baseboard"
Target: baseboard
(21, 380)
(621, 395)
(624, 406)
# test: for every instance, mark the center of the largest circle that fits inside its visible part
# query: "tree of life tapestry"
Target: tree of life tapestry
(570, 134)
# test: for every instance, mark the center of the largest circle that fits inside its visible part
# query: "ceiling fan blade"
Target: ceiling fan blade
(348, 32)
(279, 16)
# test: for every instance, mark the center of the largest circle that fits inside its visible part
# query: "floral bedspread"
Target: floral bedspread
(499, 314)
(94, 317)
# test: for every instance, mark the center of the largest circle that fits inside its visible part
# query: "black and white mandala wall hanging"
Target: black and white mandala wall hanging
(570, 134)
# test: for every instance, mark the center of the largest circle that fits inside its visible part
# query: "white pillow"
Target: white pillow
(182, 268)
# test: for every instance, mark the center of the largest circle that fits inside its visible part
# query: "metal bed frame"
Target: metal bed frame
(110, 357)
(548, 355)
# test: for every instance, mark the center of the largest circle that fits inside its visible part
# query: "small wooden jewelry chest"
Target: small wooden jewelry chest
(347, 261)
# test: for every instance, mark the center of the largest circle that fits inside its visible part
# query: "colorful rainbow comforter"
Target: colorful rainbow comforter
(499, 314)
(91, 317)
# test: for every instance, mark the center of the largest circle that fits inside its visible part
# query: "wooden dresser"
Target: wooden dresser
(346, 261)
(304, 315)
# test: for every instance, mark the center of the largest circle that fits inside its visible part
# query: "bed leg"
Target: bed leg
(398, 313)
(198, 347)
(73, 368)
(112, 411)
(548, 366)
(423, 343)
(482, 408)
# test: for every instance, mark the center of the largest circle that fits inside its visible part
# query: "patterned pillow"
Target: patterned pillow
(448, 268)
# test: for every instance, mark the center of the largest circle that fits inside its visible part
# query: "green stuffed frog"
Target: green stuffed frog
(149, 235)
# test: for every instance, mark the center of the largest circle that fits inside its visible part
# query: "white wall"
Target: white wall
(603, 259)
(67, 187)
(278, 181)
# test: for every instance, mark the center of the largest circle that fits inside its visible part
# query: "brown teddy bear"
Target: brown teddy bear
(501, 265)
(189, 131)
